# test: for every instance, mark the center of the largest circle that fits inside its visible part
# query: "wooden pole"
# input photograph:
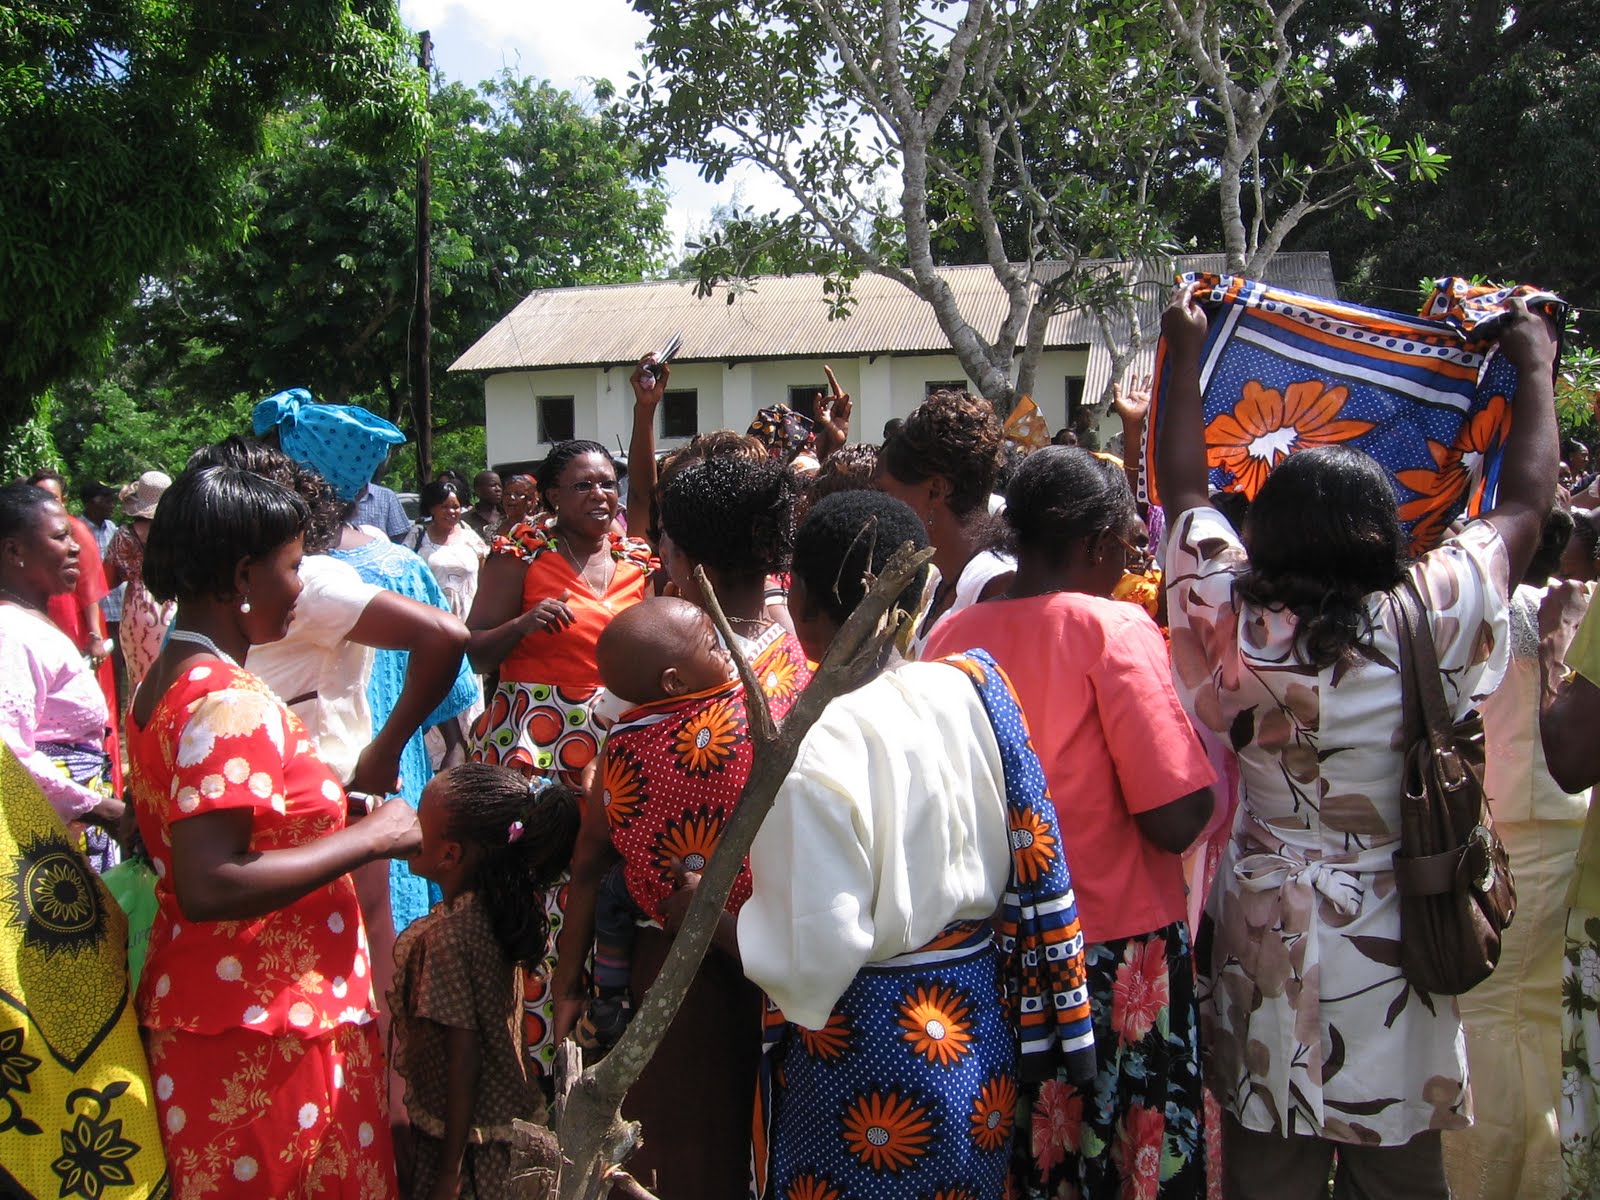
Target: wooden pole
(422, 333)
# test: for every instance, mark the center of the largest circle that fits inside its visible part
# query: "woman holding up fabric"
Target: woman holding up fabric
(1317, 1046)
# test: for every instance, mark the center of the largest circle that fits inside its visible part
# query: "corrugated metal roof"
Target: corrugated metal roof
(786, 316)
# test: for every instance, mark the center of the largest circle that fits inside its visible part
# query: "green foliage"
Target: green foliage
(110, 433)
(126, 124)
(29, 446)
(1578, 393)
(529, 191)
(1511, 92)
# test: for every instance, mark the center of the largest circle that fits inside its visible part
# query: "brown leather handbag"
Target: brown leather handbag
(1452, 872)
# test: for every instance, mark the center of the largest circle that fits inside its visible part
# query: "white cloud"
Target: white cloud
(570, 42)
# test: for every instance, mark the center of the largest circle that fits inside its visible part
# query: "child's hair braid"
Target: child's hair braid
(526, 838)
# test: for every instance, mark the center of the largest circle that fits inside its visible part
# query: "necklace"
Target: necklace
(18, 600)
(578, 568)
(200, 639)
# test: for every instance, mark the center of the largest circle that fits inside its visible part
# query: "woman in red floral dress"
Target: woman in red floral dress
(256, 998)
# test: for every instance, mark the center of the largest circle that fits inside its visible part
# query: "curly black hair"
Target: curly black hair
(259, 458)
(1061, 494)
(848, 536)
(1324, 534)
(209, 519)
(526, 838)
(733, 514)
(952, 434)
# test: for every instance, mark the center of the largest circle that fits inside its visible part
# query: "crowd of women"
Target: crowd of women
(1087, 891)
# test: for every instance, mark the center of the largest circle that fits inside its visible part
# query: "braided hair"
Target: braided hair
(526, 838)
(549, 472)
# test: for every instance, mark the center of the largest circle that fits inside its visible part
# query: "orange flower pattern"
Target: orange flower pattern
(994, 1113)
(621, 787)
(691, 841)
(1032, 844)
(1266, 426)
(887, 1131)
(938, 1023)
(830, 1041)
(810, 1187)
(1439, 490)
(707, 740)
(673, 771)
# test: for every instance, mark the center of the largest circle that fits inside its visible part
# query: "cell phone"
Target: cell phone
(666, 355)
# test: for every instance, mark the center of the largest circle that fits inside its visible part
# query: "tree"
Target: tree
(529, 191)
(898, 134)
(1031, 135)
(124, 125)
(1512, 93)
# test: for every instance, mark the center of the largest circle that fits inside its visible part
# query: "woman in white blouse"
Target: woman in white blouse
(1316, 1044)
(451, 548)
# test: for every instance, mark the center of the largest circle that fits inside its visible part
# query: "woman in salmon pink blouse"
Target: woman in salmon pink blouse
(1131, 786)
(256, 998)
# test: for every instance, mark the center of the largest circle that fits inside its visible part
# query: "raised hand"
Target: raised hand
(1184, 323)
(1132, 405)
(649, 386)
(832, 416)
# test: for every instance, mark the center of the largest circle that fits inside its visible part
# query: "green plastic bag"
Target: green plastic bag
(133, 885)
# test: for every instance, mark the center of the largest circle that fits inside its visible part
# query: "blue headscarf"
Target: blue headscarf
(342, 443)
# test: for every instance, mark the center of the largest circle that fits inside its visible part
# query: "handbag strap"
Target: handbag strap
(1422, 691)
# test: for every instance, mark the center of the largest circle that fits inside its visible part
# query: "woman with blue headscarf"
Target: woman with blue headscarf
(346, 446)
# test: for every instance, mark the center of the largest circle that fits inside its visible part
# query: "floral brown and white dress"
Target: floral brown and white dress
(1309, 1025)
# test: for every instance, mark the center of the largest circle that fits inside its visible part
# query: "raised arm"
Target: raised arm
(1180, 433)
(1133, 406)
(1533, 449)
(647, 393)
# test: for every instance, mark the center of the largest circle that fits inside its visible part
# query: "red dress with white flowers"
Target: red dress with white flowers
(279, 1005)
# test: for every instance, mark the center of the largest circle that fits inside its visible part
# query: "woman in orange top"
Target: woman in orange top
(551, 585)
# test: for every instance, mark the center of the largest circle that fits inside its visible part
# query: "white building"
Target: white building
(557, 366)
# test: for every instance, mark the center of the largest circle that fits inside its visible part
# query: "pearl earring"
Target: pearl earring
(244, 606)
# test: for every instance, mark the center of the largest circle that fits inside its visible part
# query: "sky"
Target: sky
(569, 42)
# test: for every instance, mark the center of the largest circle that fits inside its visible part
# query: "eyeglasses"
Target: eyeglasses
(584, 486)
(1139, 554)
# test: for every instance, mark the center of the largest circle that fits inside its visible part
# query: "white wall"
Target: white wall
(882, 386)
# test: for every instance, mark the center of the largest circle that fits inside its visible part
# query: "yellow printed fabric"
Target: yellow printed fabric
(77, 1115)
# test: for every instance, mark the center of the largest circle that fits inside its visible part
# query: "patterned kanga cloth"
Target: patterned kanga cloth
(77, 1116)
(1425, 396)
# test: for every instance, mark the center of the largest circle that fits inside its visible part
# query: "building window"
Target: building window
(680, 414)
(1074, 395)
(556, 420)
(943, 385)
(803, 399)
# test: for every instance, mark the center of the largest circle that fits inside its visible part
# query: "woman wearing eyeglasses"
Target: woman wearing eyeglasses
(551, 585)
(1131, 786)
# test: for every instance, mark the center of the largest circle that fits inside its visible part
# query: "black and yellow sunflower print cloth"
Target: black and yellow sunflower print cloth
(77, 1115)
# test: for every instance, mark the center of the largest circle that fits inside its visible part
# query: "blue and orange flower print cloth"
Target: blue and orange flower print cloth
(1428, 396)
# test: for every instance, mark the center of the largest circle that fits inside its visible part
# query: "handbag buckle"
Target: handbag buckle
(1480, 855)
